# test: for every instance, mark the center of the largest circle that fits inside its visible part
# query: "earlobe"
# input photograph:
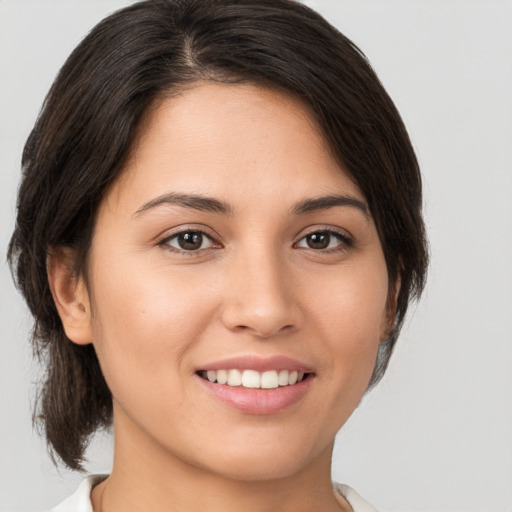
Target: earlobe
(70, 295)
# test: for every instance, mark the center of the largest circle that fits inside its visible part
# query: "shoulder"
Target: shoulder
(80, 500)
(357, 503)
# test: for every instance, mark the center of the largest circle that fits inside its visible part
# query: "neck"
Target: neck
(146, 477)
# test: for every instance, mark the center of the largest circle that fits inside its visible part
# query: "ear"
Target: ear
(388, 321)
(70, 295)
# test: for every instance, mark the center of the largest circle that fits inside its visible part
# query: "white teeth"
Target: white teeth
(282, 380)
(222, 376)
(234, 378)
(253, 379)
(269, 380)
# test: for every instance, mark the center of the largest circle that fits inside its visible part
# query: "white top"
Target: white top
(80, 501)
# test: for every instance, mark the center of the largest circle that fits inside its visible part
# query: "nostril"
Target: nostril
(260, 310)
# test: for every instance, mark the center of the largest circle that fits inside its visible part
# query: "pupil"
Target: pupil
(318, 240)
(190, 241)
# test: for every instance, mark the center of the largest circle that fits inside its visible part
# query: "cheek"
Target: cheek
(351, 316)
(353, 302)
(143, 325)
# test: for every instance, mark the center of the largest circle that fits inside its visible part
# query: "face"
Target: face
(234, 247)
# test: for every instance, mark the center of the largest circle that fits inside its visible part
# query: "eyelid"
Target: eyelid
(346, 240)
(164, 239)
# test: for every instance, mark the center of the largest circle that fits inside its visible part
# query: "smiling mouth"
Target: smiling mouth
(252, 379)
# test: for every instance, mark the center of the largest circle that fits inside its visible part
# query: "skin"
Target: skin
(155, 312)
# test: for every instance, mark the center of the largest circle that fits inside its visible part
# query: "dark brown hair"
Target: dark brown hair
(89, 121)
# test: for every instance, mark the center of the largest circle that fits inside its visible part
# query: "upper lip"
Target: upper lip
(258, 363)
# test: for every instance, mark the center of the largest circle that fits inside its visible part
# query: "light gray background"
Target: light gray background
(436, 435)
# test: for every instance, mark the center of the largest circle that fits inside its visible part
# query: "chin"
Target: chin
(272, 461)
(250, 470)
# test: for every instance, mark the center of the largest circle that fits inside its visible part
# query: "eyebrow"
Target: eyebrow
(197, 202)
(325, 202)
(209, 204)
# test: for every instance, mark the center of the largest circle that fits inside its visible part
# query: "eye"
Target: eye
(324, 240)
(189, 241)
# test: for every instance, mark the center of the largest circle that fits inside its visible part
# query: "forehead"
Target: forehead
(230, 140)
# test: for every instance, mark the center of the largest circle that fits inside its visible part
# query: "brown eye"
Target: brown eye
(188, 241)
(318, 240)
(321, 240)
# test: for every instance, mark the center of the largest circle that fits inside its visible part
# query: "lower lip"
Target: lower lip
(258, 401)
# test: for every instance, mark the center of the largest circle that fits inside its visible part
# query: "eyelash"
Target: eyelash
(345, 241)
(166, 242)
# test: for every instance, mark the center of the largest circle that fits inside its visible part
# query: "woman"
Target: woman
(219, 232)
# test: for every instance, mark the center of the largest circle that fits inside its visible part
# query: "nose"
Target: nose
(260, 297)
